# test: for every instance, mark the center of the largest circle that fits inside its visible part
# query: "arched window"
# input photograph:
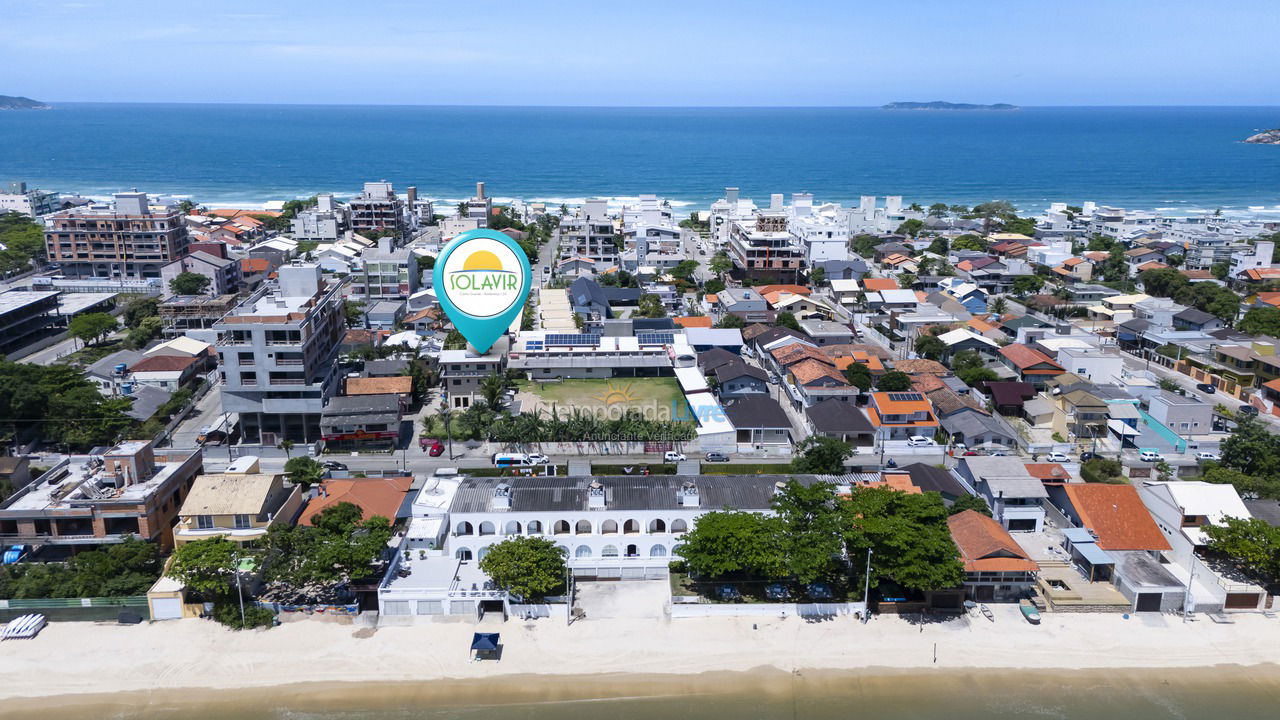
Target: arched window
(564, 550)
(679, 526)
(583, 551)
(657, 526)
(486, 528)
(675, 549)
(609, 551)
(561, 527)
(630, 527)
(658, 551)
(609, 527)
(464, 528)
(483, 551)
(512, 528)
(534, 527)
(633, 551)
(463, 553)
(582, 528)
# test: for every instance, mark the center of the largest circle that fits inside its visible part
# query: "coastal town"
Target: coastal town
(228, 424)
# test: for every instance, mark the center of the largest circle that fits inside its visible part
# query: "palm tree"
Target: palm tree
(492, 388)
(446, 416)
(999, 306)
(286, 445)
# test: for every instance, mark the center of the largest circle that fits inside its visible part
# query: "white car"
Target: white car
(1208, 456)
(1058, 457)
(538, 459)
(672, 456)
(1150, 456)
(919, 441)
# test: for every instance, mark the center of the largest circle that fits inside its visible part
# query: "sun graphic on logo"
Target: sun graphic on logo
(616, 394)
(482, 260)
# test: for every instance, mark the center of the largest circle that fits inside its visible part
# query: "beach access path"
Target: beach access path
(70, 658)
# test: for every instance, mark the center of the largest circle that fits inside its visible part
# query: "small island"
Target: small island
(941, 105)
(9, 102)
(1266, 137)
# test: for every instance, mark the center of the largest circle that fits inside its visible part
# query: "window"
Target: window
(463, 553)
(658, 551)
(204, 522)
(242, 522)
(583, 551)
(609, 551)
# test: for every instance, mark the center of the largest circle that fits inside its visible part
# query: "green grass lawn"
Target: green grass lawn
(639, 393)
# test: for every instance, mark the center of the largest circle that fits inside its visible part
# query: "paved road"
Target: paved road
(1137, 365)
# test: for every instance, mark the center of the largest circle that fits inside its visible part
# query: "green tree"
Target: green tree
(1221, 270)
(969, 502)
(311, 563)
(354, 312)
(304, 471)
(999, 306)
(684, 270)
(146, 330)
(650, 306)
(894, 381)
(189, 283)
(1245, 484)
(938, 210)
(140, 309)
(426, 262)
(817, 276)
(731, 321)
(1165, 282)
(720, 264)
(908, 536)
(713, 286)
(864, 245)
(1169, 385)
(1252, 545)
(939, 247)
(1261, 321)
(91, 328)
(728, 541)
(969, 366)
(910, 227)
(1027, 284)
(969, 242)
(205, 566)
(929, 346)
(858, 375)
(821, 455)
(530, 568)
(492, 388)
(1102, 470)
(786, 320)
(811, 529)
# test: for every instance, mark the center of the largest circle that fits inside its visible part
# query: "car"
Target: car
(998, 453)
(538, 459)
(1088, 456)
(714, 456)
(776, 591)
(728, 593)
(1205, 388)
(918, 441)
(1247, 410)
(774, 379)
(970, 453)
(333, 465)
(436, 450)
(961, 446)
(1150, 456)
(672, 456)
(1057, 457)
(1202, 455)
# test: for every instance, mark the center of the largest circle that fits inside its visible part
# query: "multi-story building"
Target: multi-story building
(462, 371)
(241, 504)
(386, 273)
(278, 352)
(378, 209)
(223, 273)
(550, 355)
(34, 203)
(194, 315)
(590, 234)
(25, 315)
(324, 223)
(1259, 256)
(901, 415)
(763, 249)
(124, 239)
(479, 207)
(823, 231)
(89, 500)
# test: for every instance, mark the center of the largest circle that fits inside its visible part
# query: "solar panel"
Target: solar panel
(905, 396)
(656, 338)
(533, 345)
(573, 339)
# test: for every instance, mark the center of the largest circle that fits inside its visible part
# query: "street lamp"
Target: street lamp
(866, 592)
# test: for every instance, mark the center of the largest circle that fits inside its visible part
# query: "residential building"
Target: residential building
(385, 273)
(375, 496)
(102, 498)
(377, 209)
(1015, 497)
(1098, 365)
(462, 371)
(736, 379)
(223, 273)
(479, 207)
(589, 233)
(841, 420)
(167, 372)
(241, 505)
(764, 249)
(325, 223)
(17, 198)
(996, 568)
(362, 421)
(278, 352)
(549, 355)
(127, 238)
(900, 415)
(1030, 365)
(760, 422)
(1183, 414)
(194, 315)
(1256, 258)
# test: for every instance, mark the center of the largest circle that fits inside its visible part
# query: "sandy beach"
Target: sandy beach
(72, 664)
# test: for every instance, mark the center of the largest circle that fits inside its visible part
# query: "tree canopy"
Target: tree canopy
(126, 568)
(787, 320)
(822, 455)
(729, 541)
(189, 283)
(23, 241)
(314, 563)
(530, 568)
(650, 306)
(57, 404)
(969, 502)
(205, 566)
(92, 327)
(969, 366)
(1252, 545)
(929, 346)
(894, 381)
(908, 536)
(1261, 321)
(304, 471)
(810, 529)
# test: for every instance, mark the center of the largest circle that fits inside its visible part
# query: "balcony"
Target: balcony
(288, 381)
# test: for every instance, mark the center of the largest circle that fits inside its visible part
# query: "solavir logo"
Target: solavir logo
(483, 278)
(483, 271)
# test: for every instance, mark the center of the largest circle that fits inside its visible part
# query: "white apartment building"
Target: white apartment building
(324, 223)
(823, 231)
(34, 203)
(1258, 257)
(479, 207)
(590, 234)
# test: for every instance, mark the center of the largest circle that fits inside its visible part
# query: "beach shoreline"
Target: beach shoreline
(88, 665)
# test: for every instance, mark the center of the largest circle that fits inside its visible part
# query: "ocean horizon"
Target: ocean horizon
(1176, 159)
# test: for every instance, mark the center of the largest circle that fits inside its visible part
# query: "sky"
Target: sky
(604, 52)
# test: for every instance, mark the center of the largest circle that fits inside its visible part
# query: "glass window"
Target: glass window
(242, 522)
(204, 522)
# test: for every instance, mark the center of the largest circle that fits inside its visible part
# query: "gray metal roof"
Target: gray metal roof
(652, 492)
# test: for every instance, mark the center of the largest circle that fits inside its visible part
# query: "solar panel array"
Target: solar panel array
(573, 339)
(905, 396)
(658, 338)
(533, 345)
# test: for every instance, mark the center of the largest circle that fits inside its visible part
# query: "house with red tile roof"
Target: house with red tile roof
(168, 372)
(879, 284)
(1115, 514)
(996, 568)
(374, 496)
(899, 415)
(1031, 365)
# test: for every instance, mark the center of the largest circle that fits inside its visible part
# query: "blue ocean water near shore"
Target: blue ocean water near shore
(1181, 159)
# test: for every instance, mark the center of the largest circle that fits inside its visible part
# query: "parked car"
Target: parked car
(714, 456)
(333, 465)
(1202, 456)
(998, 453)
(728, 593)
(1150, 456)
(436, 450)
(1058, 457)
(776, 591)
(971, 453)
(774, 379)
(1247, 410)
(672, 456)
(919, 441)
(1205, 388)
(1088, 456)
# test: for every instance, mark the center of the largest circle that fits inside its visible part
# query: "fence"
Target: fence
(71, 609)
(807, 610)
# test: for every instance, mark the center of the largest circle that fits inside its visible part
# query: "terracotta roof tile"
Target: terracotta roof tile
(794, 289)
(163, 363)
(797, 351)
(921, 365)
(693, 322)
(374, 496)
(1116, 514)
(879, 284)
(1024, 357)
(398, 385)
(809, 371)
(985, 546)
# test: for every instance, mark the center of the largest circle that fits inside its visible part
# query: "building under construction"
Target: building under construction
(190, 314)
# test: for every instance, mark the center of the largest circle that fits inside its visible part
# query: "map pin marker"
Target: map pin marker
(482, 280)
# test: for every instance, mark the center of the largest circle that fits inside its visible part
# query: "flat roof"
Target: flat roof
(73, 303)
(11, 300)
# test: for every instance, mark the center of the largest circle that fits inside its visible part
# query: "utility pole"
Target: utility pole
(866, 592)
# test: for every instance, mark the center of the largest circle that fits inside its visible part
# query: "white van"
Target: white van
(1149, 456)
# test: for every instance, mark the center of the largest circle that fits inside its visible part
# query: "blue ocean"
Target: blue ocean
(1181, 159)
